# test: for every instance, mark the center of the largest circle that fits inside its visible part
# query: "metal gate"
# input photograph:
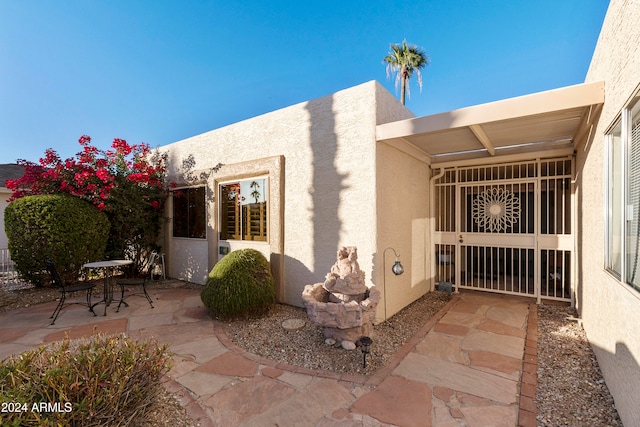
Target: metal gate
(506, 228)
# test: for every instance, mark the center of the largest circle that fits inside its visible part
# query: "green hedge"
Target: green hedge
(239, 283)
(63, 228)
(101, 381)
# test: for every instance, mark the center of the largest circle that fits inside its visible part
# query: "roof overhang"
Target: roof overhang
(556, 121)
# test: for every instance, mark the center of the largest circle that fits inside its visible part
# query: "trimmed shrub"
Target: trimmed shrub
(63, 228)
(240, 283)
(104, 380)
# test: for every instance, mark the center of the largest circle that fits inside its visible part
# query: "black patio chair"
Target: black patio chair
(65, 289)
(124, 283)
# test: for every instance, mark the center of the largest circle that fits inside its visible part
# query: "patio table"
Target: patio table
(108, 266)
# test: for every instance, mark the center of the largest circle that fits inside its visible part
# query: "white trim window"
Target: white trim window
(623, 196)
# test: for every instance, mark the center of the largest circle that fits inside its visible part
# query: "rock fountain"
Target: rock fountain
(343, 305)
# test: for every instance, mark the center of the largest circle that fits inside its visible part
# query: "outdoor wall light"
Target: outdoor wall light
(366, 344)
(397, 269)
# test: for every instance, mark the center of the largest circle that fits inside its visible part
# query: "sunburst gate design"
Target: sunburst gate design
(495, 209)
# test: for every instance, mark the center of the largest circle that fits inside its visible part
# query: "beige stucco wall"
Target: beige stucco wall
(402, 225)
(402, 218)
(328, 188)
(609, 309)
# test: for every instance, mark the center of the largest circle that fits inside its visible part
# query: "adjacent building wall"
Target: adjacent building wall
(609, 309)
(328, 188)
(402, 218)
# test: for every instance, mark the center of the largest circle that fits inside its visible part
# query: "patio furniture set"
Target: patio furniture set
(109, 268)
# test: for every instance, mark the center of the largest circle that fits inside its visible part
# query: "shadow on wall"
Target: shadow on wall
(193, 268)
(327, 185)
(622, 375)
(304, 276)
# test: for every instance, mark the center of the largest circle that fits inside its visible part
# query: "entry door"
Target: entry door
(506, 228)
(497, 236)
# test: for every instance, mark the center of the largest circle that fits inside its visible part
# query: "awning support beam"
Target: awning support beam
(483, 138)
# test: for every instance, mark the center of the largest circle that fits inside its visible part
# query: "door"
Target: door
(506, 228)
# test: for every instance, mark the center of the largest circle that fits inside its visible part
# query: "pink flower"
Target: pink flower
(103, 175)
(121, 145)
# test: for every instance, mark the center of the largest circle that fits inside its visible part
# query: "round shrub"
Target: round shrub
(238, 284)
(63, 228)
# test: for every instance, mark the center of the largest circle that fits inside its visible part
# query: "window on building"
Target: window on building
(189, 213)
(243, 210)
(623, 197)
(614, 199)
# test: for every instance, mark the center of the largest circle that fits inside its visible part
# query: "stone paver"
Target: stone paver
(442, 347)
(458, 377)
(203, 384)
(473, 365)
(487, 341)
(245, 400)
(398, 401)
(494, 416)
(114, 326)
(231, 365)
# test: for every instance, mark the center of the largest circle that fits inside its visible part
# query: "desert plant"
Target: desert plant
(103, 380)
(63, 228)
(238, 284)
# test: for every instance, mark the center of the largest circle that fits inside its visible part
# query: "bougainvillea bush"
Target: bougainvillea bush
(126, 182)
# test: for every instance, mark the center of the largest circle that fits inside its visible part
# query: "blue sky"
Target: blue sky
(161, 71)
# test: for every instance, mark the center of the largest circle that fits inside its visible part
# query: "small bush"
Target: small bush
(240, 283)
(63, 228)
(102, 381)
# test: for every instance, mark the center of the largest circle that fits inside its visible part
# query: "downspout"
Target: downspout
(432, 226)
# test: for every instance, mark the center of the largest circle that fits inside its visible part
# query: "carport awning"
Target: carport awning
(559, 120)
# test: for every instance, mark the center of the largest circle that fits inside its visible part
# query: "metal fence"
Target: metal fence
(8, 273)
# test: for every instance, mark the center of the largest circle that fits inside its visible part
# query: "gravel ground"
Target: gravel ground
(571, 390)
(305, 347)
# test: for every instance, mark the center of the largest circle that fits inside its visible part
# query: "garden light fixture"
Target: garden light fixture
(366, 344)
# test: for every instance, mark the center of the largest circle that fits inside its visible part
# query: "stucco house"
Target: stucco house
(536, 196)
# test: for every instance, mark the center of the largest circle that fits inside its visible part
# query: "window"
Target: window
(614, 201)
(243, 210)
(189, 213)
(623, 197)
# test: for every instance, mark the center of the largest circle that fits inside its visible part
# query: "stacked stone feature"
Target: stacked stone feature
(343, 305)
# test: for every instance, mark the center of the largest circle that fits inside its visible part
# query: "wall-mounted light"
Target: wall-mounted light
(396, 269)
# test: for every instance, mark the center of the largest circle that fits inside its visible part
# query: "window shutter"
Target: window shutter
(633, 198)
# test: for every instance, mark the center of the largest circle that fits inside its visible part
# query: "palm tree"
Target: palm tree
(256, 193)
(404, 60)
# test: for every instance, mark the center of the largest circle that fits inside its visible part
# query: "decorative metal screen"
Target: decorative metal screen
(506, 228)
